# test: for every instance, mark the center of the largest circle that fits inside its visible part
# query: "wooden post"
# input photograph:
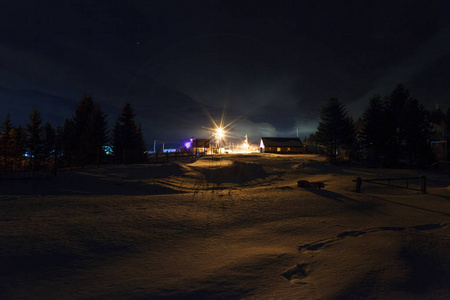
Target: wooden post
(358, 184)
(167, 156)
(423, 184)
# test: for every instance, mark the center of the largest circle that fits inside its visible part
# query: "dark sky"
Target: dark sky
(270, 64)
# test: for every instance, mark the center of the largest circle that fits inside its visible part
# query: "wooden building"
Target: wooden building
(200, 146)
(280, 145)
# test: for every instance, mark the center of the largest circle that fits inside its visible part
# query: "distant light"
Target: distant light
(108, 150)
(169, 150)
(187, 145)
(220, 133)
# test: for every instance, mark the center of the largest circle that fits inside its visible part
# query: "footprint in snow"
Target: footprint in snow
(355, 233)
(296, 274)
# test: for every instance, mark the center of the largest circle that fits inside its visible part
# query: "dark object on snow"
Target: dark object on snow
(306, 184)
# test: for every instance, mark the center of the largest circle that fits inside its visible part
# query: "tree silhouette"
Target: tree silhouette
(394, 117)
(83, 153)
(141, 146)
(4, 140)
(128, 142)
(415, 132)
(85, 134)
(35, 141)
(49, 135)
(97, 132)
(17, 145)
(373, 132)
(68, 143)
(397, 127)
(335, 128)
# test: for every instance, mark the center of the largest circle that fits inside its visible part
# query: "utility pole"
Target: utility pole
(154, 146)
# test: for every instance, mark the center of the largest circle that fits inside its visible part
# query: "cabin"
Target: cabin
(280, 145)
(200, 146)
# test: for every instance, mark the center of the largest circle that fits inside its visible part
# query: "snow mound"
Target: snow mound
(236, 172)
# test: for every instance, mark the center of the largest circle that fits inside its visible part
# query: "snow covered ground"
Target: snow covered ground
(225, 227)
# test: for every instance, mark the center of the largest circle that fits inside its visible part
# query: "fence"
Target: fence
(52, 168)
(422, 190)
(168, 156)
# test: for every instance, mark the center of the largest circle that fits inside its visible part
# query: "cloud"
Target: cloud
(407, 69)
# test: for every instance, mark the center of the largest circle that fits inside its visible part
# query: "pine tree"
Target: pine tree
(128, 141)
(117, 143)
(85, 134)
(415, 132)
(49, 135)
(35, 142)
(4, 140)
(335, 128)
(98, 132)
(141, 147)
(17, 145)
(68, 142)
(394, 117)
(84, 151)
(373, 131)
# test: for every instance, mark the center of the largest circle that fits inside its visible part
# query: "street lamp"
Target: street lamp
(219, 135)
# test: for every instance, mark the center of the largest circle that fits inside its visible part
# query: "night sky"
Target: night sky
(270, 65)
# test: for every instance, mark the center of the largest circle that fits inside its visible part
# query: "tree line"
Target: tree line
(392, 129)
(81, 141)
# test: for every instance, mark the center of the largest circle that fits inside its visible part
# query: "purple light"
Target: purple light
(187, 145)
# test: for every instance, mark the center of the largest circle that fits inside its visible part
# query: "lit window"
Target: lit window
(278, 149)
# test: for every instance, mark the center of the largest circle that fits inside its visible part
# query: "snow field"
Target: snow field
(227, 227)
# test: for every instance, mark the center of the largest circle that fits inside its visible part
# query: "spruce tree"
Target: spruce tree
(117, 143)
(49, 135)
(141, 147)
(17, 146)
(373, 131)
(335, 128)
(394, 117)
(84, 151)
(415, 133)
(4, 140)
(97, 132)
(35, 141)
(86, 133)
(128, 142)
(68, 142)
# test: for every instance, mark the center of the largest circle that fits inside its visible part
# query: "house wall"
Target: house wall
(283, 149)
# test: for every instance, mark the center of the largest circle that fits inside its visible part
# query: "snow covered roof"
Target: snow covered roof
(281, 142)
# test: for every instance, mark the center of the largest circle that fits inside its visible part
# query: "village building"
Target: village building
(280, 145)
(200, 146)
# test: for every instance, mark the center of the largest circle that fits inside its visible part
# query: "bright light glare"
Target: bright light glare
(220, 133)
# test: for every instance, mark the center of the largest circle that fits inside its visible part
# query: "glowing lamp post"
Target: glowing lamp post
(219, 136)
